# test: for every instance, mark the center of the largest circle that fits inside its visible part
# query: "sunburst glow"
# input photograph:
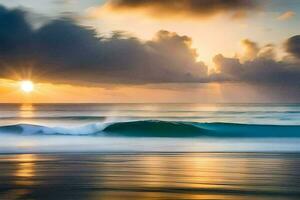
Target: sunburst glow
(27, 86)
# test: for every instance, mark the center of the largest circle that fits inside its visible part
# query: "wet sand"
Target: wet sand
(111, 176)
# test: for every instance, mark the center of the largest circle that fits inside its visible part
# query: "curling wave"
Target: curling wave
(156, 128)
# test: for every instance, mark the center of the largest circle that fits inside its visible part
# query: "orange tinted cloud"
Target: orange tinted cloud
(286, 15)
(185, 8)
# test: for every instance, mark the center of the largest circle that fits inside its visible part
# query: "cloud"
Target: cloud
(279, 80)
(293, 46)
(64, 51)
(251, 51)
(260, 69)
(185, 8)
(286, 15)
(15, 34)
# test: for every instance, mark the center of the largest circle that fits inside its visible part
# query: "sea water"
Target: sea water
(40, 128)
(150, 151)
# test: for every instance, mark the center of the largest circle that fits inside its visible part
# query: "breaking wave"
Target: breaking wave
(156, 128)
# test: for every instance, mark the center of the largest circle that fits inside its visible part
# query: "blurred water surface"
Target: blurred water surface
(232, 176)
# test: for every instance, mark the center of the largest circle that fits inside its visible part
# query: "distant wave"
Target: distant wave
(156, 128)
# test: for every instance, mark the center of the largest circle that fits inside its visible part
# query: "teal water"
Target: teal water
(149, 127)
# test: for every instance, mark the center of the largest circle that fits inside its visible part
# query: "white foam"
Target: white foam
(88, 129)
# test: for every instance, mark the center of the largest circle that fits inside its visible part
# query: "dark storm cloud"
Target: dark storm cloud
(15, 34)
(65, 51)
(195, 8)
(293, 46)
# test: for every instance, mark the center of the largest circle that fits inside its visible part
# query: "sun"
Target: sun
(27, 86)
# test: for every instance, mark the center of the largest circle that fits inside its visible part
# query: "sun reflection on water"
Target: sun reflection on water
(152, 176)
(26, 165)
(26, 110)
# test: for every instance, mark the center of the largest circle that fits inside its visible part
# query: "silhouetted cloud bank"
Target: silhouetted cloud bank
(64, 51)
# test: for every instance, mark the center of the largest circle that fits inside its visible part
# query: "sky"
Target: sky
(126, 51)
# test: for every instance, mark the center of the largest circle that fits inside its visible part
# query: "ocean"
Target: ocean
(37, 128)
(149, 151)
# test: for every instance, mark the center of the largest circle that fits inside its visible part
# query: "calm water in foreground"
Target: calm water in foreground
(150, 176)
